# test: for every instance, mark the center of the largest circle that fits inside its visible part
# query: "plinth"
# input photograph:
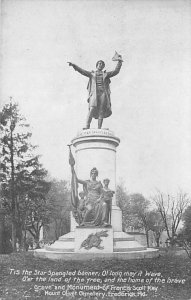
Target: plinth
(97, 148)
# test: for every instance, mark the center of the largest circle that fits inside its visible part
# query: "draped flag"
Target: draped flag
(117, 57)
(74, 181)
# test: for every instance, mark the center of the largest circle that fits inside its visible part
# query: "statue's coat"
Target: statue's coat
(92, 91)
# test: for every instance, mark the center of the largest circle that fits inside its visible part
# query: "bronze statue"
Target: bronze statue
(99, 90)
(107, 196)
(94, 206)
(93, 191)
(98, 201)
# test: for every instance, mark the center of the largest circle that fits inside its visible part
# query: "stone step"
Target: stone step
(66, 256)
(122, 236)
(66, 245)
(67, 237)
(126, 246)
(63, 250)
(124, 242)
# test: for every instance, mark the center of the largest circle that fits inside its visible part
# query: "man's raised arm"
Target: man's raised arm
(117, 69)
(80, 70)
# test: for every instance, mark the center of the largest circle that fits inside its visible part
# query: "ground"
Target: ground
(25, 277)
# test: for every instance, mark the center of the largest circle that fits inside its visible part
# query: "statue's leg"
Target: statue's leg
(87, 215)
(89, 118)
(105, 215)
(101, 109)
(100, 122)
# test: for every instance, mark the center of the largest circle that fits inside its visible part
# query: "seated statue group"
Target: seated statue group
(94, 206)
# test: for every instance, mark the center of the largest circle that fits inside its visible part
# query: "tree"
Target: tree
(139, 209)
(22, 176)
(171, 210)
(135, 210)
(59, 199)
(185, 233)
(34, 207)
(187, 223)
(123, 200)
(184, 236)
(156, 225)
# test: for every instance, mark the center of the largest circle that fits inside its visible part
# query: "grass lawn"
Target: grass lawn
(170, 278)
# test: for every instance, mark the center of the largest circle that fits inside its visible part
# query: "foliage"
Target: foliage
(59, 200)
(139, 210)
(123, 201)
(156, 225)
(135, 210)
(23, 178)
(187, 224)
(184, 236)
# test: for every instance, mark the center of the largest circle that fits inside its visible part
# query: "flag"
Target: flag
(74, 182)
(117, 57)
(71, 158)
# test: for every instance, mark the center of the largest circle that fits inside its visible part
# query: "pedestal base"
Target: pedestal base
(55, 255)
(116, 218)
(90, 243)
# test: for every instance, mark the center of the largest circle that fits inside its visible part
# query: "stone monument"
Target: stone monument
(96, 220)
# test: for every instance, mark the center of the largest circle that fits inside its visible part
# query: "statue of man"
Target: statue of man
(99, 90)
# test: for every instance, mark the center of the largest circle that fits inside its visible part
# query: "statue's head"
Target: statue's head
(100, 65)
(94, 173)
(106, 181)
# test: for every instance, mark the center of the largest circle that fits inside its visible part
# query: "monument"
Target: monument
(96, 220)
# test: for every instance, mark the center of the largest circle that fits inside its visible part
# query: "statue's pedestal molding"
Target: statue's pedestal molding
(97, 148)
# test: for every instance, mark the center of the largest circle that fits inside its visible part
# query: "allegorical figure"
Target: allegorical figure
(93, 191)
(107, 196)
(99, 90)
(96, 208)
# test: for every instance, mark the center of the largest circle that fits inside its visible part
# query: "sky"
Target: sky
(151, 96)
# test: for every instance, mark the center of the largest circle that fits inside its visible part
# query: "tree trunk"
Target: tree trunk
(157, 238)
(2, 238)
(147, 237)
(13, 233)
(37, 240)
(13, 206)
(158, 241)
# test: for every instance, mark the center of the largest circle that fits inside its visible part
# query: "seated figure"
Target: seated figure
(96, 206)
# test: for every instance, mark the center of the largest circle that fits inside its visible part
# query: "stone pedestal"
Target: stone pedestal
(93, 240)
(97, 148)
